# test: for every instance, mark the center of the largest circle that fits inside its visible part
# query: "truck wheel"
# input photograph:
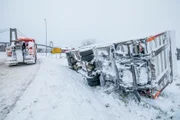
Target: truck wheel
(86, 53)
(10, 65)
(93, 81)
(69, 62)
(34, 60)
(87, 58)
(67, 54)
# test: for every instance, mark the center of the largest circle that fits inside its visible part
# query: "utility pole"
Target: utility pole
(46, 35)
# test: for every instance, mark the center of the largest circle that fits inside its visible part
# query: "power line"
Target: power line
(21, 34)
(3, 31)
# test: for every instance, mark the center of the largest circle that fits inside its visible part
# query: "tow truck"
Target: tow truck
(22, 50)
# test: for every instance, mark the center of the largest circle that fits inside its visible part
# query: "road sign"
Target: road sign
(56, 50)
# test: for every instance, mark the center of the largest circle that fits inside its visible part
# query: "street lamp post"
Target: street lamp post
(46, 35)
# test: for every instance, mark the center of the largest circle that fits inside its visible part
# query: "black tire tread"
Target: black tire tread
(94, 83)
(87, 58)
(94, 78)
(86, 53)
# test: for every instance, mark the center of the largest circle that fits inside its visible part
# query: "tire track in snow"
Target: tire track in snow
(64, 91)
(89, 91)
(5, 111)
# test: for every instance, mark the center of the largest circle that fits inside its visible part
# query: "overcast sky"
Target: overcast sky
(71, 21)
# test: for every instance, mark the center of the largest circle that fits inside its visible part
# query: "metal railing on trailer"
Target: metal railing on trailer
(126, 60)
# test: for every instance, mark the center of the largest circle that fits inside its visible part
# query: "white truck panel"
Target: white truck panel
(19, 55)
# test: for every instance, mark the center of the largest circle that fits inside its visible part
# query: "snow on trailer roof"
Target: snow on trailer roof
(85, 48)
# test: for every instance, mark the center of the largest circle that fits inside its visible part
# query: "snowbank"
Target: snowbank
(59, 93)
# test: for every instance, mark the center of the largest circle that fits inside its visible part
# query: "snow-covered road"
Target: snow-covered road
(49, 90)
(13, 82)
(2, 56)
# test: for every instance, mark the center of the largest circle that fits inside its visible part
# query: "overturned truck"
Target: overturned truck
(143, 66)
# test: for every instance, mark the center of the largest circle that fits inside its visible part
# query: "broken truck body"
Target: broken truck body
(142, 66)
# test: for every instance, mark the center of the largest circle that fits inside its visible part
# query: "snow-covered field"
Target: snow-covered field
(50, 90)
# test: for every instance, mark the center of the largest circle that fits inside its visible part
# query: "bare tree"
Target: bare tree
(88, 42)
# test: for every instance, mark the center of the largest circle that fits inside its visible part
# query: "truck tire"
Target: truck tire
(93, 81)
(10, 65)
(86, 53)
(72, 61)
(69, 62)
(35, 59)
(67, 54)
(87, 58)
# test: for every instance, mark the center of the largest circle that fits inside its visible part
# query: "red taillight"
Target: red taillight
(9, 53)
(30, 50)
